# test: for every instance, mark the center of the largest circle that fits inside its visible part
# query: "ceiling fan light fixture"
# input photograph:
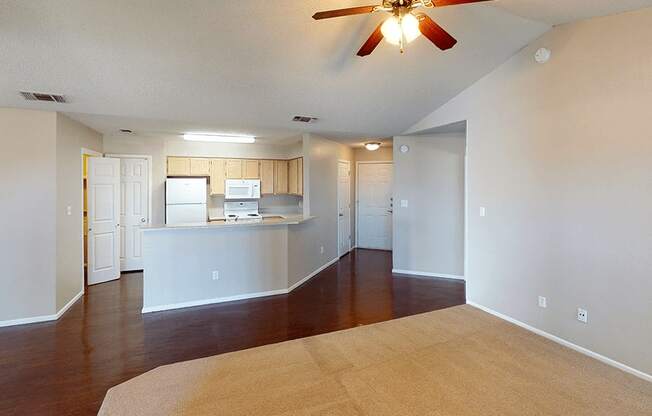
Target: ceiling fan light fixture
(395, 28)
(372, 146)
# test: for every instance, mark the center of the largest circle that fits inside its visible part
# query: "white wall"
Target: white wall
(384, 154)
(320, 200)
(429, 233)
(561, 155)
(72, 136)
(160, 147)
(27, 214)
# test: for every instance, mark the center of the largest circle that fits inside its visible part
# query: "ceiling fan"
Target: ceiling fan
(404, 25)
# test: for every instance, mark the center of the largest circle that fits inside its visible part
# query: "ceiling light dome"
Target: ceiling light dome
(372, 146)
(395, 28)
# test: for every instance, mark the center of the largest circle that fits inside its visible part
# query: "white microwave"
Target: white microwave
(242, 189)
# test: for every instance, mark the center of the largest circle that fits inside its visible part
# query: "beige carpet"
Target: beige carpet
(458, 361)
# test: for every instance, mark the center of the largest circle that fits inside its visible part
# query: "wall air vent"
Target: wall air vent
(42, 96)
(304, 119)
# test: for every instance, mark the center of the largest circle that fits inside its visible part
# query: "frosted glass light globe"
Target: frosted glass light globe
(408, 26)
(391, 30)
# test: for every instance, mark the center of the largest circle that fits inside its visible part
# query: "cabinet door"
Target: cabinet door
(293, 166)
(234, 169)
(300, 176)
(267, 177)
(178, 166)
(280, 177)
(218, 175)
(200, 167)
(251, 169)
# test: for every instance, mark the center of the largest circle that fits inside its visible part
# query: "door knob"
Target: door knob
(143, 220)
(341, 215)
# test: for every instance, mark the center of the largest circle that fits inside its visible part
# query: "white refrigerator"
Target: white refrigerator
(185, 201)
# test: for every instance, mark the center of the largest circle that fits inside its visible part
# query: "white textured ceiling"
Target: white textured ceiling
(249, 66)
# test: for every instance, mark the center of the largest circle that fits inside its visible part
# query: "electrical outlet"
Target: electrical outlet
(216, 275)
(68, 210)
(543, 302)
(321, 249)
(404, 203)
(582, 315)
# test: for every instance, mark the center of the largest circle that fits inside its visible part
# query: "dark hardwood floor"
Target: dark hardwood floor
(65, 367)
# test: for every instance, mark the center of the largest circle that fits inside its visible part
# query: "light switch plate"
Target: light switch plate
(483, 211)
(404, 203)
(543, 302)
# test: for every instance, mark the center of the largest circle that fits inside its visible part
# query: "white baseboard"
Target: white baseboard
(43, 318)
(428, 274)
(568, 344)
(204, 302)
(313, 274)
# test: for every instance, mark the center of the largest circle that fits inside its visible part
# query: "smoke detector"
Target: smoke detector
(304, 119)
(43, 96)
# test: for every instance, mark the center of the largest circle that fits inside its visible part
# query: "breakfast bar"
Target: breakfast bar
(217, 261)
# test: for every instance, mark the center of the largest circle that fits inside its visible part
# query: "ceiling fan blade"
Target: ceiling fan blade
(372, 42)
(435, 33)
(344, 12)
(441, 3)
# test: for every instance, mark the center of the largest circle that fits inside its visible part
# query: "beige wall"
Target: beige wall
(561, 156)
(384, 154)
(429, 233)
(27, 214)
(72, 136)
(305, 240)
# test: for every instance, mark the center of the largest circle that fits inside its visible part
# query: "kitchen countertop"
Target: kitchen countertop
(268, 220)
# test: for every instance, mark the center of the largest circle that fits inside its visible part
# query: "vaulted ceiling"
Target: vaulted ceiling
(249, 66)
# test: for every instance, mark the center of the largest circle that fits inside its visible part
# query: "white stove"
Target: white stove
(242, 212)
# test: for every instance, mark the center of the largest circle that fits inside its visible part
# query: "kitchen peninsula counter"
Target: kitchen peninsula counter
(218, 261)
(267, 220)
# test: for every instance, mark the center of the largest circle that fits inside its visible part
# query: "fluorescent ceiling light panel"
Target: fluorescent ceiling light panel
(218, 138)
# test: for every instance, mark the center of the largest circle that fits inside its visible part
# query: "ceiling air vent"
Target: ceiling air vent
(42, 96)
(304, 119)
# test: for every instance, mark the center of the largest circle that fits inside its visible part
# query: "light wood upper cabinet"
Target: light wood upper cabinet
(234, 169)
(200, 167)
(280, 177)
(300, 176)
(178, 166)
(251, 169)
(293, 170)
(218, 175)
(267, 177)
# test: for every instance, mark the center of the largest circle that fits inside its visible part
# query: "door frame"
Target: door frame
(84, 151)
(149, 178)
(339, 243)
(357, 194)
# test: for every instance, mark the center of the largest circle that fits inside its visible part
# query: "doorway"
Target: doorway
(344, 207)
(135, 207)
(375, 205)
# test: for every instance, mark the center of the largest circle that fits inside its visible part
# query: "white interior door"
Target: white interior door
(134, 211)
(375, 205)
(103, 219)
(344, 207)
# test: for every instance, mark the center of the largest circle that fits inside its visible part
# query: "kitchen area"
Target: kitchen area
(230, 228)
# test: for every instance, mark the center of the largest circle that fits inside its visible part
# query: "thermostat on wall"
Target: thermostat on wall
(405, 148)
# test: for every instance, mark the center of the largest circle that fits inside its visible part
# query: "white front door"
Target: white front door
(134, 211)
(344, 207)
(103, 219)
(375, 205)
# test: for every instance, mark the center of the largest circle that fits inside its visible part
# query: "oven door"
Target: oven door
(239, 189)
